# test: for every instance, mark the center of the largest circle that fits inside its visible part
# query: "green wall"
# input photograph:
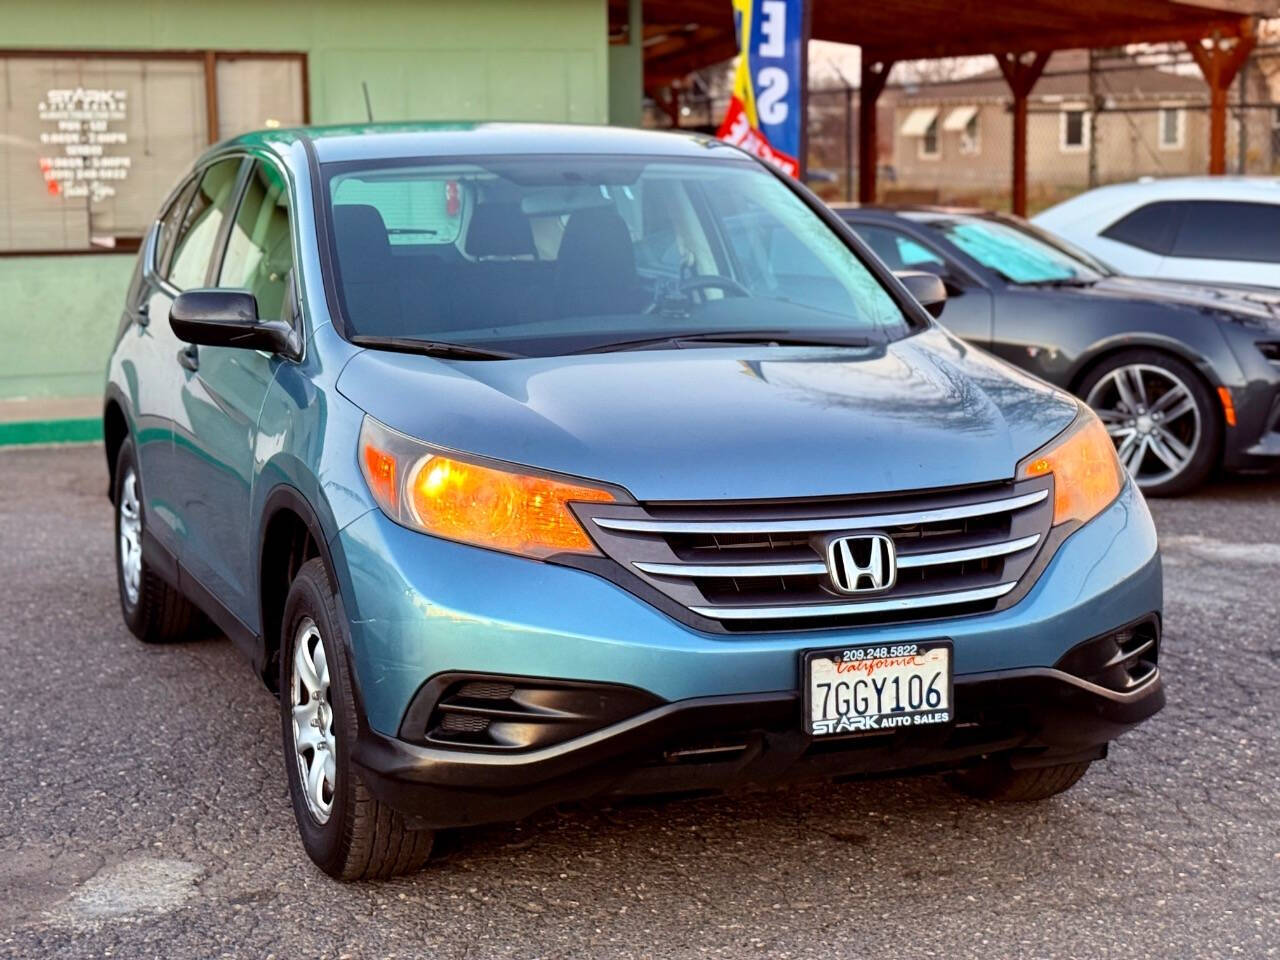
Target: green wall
(626, 73)
(462, 59)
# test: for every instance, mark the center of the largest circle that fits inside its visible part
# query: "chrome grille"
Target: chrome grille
(761, 564)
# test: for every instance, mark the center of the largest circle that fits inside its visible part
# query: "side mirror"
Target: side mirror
(228, 318)
(928, 288)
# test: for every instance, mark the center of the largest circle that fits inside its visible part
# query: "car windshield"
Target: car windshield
(546, 255)
(1020, 255)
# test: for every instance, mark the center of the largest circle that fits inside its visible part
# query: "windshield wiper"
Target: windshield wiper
(1059, 282)
(781, 338)
(433, 348)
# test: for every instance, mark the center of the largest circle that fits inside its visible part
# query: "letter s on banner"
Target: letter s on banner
(772, 84)
(766, 111)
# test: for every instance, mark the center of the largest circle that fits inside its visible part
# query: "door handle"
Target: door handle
(189, 358)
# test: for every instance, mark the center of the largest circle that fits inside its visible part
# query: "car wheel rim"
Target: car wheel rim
(130, 531)
(313, 738)
(1152, 417)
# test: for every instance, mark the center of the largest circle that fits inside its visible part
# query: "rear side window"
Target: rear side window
(200, 226)
(1151, 227)
(170, 223)
(1226, 230)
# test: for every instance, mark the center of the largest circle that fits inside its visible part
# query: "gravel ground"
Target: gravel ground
(143, 810)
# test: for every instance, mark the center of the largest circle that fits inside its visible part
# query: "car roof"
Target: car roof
(1116, 198)
(385, 141)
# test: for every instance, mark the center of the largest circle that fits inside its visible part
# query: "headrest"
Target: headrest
(597, 238)
(499, 230)
(362, 240)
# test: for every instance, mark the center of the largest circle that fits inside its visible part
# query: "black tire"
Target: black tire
(1207, 452)
(359, 838)
(158, 613)
(996, 780)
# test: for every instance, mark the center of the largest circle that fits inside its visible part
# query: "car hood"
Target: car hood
(1259, 304)
(710, 423)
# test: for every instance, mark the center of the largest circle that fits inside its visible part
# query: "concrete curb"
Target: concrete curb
(27, 432)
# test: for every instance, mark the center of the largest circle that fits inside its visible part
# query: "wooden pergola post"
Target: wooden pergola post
(875, 73)
(1021, 74)
(1220, 62)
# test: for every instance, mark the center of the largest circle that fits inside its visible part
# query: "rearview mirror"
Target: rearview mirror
(228, 318)
(928, 288)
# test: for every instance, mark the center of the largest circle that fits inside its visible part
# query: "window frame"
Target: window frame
(1180, 124)
(971, 146)
(936, 152)
(1063, 111)
(210, 60)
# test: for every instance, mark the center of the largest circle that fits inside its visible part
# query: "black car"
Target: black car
(1186, 377)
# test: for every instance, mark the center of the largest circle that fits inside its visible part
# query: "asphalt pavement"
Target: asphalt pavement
(143, 807)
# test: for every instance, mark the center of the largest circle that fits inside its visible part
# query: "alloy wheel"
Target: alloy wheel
(313, 739)
(1153, 419)
(130, 533)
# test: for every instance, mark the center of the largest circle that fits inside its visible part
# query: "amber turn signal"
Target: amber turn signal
(481, 504)
(515, 512)
(1087, 474)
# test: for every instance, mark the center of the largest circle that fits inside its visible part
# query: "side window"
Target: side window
(1151, 227)
(259, 254)
(200, 226)
(1223, 230)
(170, 223)
(899, 251)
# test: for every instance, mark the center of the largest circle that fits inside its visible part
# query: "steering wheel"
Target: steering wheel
(694, 286)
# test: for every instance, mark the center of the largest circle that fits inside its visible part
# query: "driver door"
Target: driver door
(215, 438)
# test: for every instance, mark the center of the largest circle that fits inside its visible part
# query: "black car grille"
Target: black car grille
(762, 565)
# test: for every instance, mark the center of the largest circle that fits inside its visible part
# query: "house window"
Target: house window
(929, 140)
(90, 143)
(969, 137)
(1173, 123)
(1073, 129)
(963, 121)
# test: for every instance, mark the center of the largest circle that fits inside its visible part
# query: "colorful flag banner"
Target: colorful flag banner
(766, 113)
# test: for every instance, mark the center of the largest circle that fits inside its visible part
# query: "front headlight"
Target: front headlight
(1087, 474)
(440, 493)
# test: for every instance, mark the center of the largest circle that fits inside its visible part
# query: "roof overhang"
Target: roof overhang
(681, 36)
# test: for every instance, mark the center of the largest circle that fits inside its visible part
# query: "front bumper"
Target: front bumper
(1034, 717)
(421, 608)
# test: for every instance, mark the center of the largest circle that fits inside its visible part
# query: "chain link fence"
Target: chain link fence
(1093, 118)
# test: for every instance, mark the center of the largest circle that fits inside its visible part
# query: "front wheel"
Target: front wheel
(153, 610)
(347, 832)
(1161, 417)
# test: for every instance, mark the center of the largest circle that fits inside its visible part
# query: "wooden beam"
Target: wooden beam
(1219, 63)
(962, 43)
(875, 73)
(211, 95)
(1021, 74)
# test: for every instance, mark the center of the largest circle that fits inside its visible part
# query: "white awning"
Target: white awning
(918, 121)
(958, 119)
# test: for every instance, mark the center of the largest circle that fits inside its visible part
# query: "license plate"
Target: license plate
(878, 688)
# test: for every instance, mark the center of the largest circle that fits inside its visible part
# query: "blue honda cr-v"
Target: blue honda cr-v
(537, 463)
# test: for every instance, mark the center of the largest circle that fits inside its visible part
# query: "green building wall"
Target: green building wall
(430, 59)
